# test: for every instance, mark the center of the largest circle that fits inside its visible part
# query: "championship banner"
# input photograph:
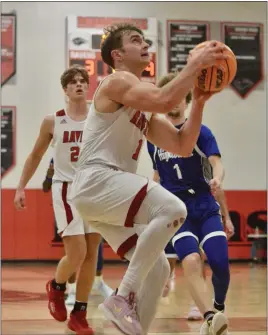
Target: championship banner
(8, 139)
(84, 35)
(246, 41)
(182, 37)
(8, 47)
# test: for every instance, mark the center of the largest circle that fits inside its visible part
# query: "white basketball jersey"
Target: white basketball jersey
(113, 139)
(67, 139)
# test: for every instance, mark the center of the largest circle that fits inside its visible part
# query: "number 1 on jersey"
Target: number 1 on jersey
(178, 170)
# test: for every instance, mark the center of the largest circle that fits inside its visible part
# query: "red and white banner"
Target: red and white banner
(8, 47)
(84, 36)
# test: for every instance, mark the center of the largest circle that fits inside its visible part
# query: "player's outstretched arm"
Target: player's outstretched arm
(180, 142)
(33, 160)
(126, 89)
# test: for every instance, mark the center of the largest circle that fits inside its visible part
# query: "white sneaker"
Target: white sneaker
(194, 314)
(102, 288)
(219, 325)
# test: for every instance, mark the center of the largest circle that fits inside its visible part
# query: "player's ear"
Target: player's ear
(117, 55)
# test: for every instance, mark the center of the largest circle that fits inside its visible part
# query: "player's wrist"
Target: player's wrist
(20, 188)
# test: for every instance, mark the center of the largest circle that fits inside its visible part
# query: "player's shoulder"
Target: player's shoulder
(49, 118)
(205, 131)
(121, 78)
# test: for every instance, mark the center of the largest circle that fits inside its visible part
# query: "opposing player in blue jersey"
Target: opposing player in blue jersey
(197, 180)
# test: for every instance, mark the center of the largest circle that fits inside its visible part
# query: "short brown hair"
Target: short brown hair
(167, 78)
(112, 39)
(70, 73)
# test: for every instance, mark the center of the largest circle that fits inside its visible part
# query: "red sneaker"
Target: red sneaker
(56, 304)
(78, 323)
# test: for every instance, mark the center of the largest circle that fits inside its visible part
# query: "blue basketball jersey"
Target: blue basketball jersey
(180, 174)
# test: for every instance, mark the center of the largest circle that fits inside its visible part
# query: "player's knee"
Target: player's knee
(76, 250)
(192, 263)
(177, 212)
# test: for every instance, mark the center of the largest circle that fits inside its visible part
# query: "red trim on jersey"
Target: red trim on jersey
(135, 206)
(127, 245)
(68, 210)
(61, 113)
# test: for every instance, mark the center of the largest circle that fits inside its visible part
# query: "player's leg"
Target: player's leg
(186, 244)
(75, 250)
(164, 213)
(99, 284)
(85, 281)
(151, 291)
(147, 297)
(194, 312)
(215, 245)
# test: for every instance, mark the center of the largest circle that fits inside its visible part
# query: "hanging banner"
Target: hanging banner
(182, 37)
(84, 35)
(8, 47)
(8, 139)
(246, 41)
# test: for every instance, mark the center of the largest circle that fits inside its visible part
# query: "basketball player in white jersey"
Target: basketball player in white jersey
(137, 217)
(65, 129)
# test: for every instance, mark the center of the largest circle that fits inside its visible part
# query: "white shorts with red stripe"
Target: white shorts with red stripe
(68, 220)
(110, 200)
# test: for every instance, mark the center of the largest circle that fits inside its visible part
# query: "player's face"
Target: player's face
(135, 49)
(178, 111)
(77, 88)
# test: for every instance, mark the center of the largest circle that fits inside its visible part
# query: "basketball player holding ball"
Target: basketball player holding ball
(136, 216)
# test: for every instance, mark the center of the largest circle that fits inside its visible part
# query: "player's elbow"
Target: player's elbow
(185, 149)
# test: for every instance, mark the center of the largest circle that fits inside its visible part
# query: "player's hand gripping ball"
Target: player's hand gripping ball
(216, 78)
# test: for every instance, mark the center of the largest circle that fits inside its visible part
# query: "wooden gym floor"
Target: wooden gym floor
(24, 304)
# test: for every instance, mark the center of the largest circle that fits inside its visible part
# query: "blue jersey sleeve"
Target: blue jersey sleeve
(207, 142)
(151, 149)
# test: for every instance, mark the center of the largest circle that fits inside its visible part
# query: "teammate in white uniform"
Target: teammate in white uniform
(65, 130)
(137, 217)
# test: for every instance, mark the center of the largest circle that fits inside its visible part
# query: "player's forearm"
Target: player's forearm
(220, 197)
(218, 171)
(29, 169)
(190, 131)
(176, 90)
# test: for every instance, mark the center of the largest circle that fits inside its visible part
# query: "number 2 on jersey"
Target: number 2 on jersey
(135, 156)
(178, 170)
(74, 154)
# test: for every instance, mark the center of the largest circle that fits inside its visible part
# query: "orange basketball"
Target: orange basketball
(216, 78)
